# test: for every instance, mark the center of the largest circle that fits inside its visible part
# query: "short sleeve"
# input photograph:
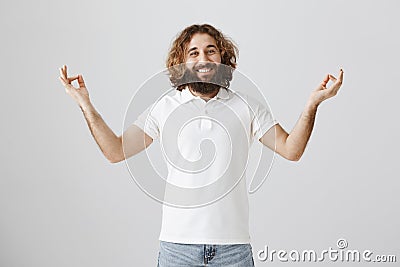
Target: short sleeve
(262, 118)
(148, 123)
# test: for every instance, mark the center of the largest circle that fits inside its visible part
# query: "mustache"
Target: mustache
(208, 65)
(184, 74)
(217, 79)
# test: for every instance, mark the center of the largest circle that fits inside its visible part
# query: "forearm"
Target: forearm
(109, 143)
(294, 144)
(296, 141)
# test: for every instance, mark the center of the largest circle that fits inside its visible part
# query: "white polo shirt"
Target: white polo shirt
(206, 146)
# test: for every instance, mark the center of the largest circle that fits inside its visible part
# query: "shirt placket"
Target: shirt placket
(205, 121)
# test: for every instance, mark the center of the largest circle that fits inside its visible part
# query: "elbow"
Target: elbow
(114, 158)
(116, 154)
(293, 156)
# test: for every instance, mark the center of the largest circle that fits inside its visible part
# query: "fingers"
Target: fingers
(63, 81)
(73, 78)
(334, 88)
(341, 75)
(81, 81)
(325, 81)
(329, 77)
(64, 77)
(62, 72)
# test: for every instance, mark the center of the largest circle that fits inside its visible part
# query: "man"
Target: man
(200, 63)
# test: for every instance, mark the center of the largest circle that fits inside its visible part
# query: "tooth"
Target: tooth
(204, 70)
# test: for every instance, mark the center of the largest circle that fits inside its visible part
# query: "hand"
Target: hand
(81, 94)
(322, 93)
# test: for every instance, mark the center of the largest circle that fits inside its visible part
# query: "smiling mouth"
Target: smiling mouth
(204, 70)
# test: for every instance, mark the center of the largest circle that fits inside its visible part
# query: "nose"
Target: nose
(203, 57)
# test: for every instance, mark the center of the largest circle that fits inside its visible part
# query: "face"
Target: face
(203, 56)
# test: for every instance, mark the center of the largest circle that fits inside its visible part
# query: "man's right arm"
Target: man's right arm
(135, 140)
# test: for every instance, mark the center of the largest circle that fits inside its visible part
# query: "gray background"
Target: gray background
(63, 204)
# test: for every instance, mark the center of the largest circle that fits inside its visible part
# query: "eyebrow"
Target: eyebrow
(208, 46)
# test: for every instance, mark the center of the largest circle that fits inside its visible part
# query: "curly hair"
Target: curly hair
(177, 53)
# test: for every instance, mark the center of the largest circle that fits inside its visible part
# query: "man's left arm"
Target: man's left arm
(291, 146)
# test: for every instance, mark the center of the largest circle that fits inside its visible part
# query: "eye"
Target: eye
(211, 51)
(193, 53)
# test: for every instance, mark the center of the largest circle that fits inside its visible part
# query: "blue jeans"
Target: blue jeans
(191, 255)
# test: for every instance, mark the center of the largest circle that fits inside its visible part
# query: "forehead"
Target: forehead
(201, 40)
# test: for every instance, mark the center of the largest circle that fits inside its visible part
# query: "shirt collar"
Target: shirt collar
(186, 95)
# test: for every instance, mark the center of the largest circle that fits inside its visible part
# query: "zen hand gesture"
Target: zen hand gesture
(322, 93)
(81, 94)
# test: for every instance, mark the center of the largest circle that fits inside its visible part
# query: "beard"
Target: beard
(203, 87)
(206, 85)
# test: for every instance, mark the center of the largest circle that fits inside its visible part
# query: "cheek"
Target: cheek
(217, 58)
(189, 64)
(188, 60)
